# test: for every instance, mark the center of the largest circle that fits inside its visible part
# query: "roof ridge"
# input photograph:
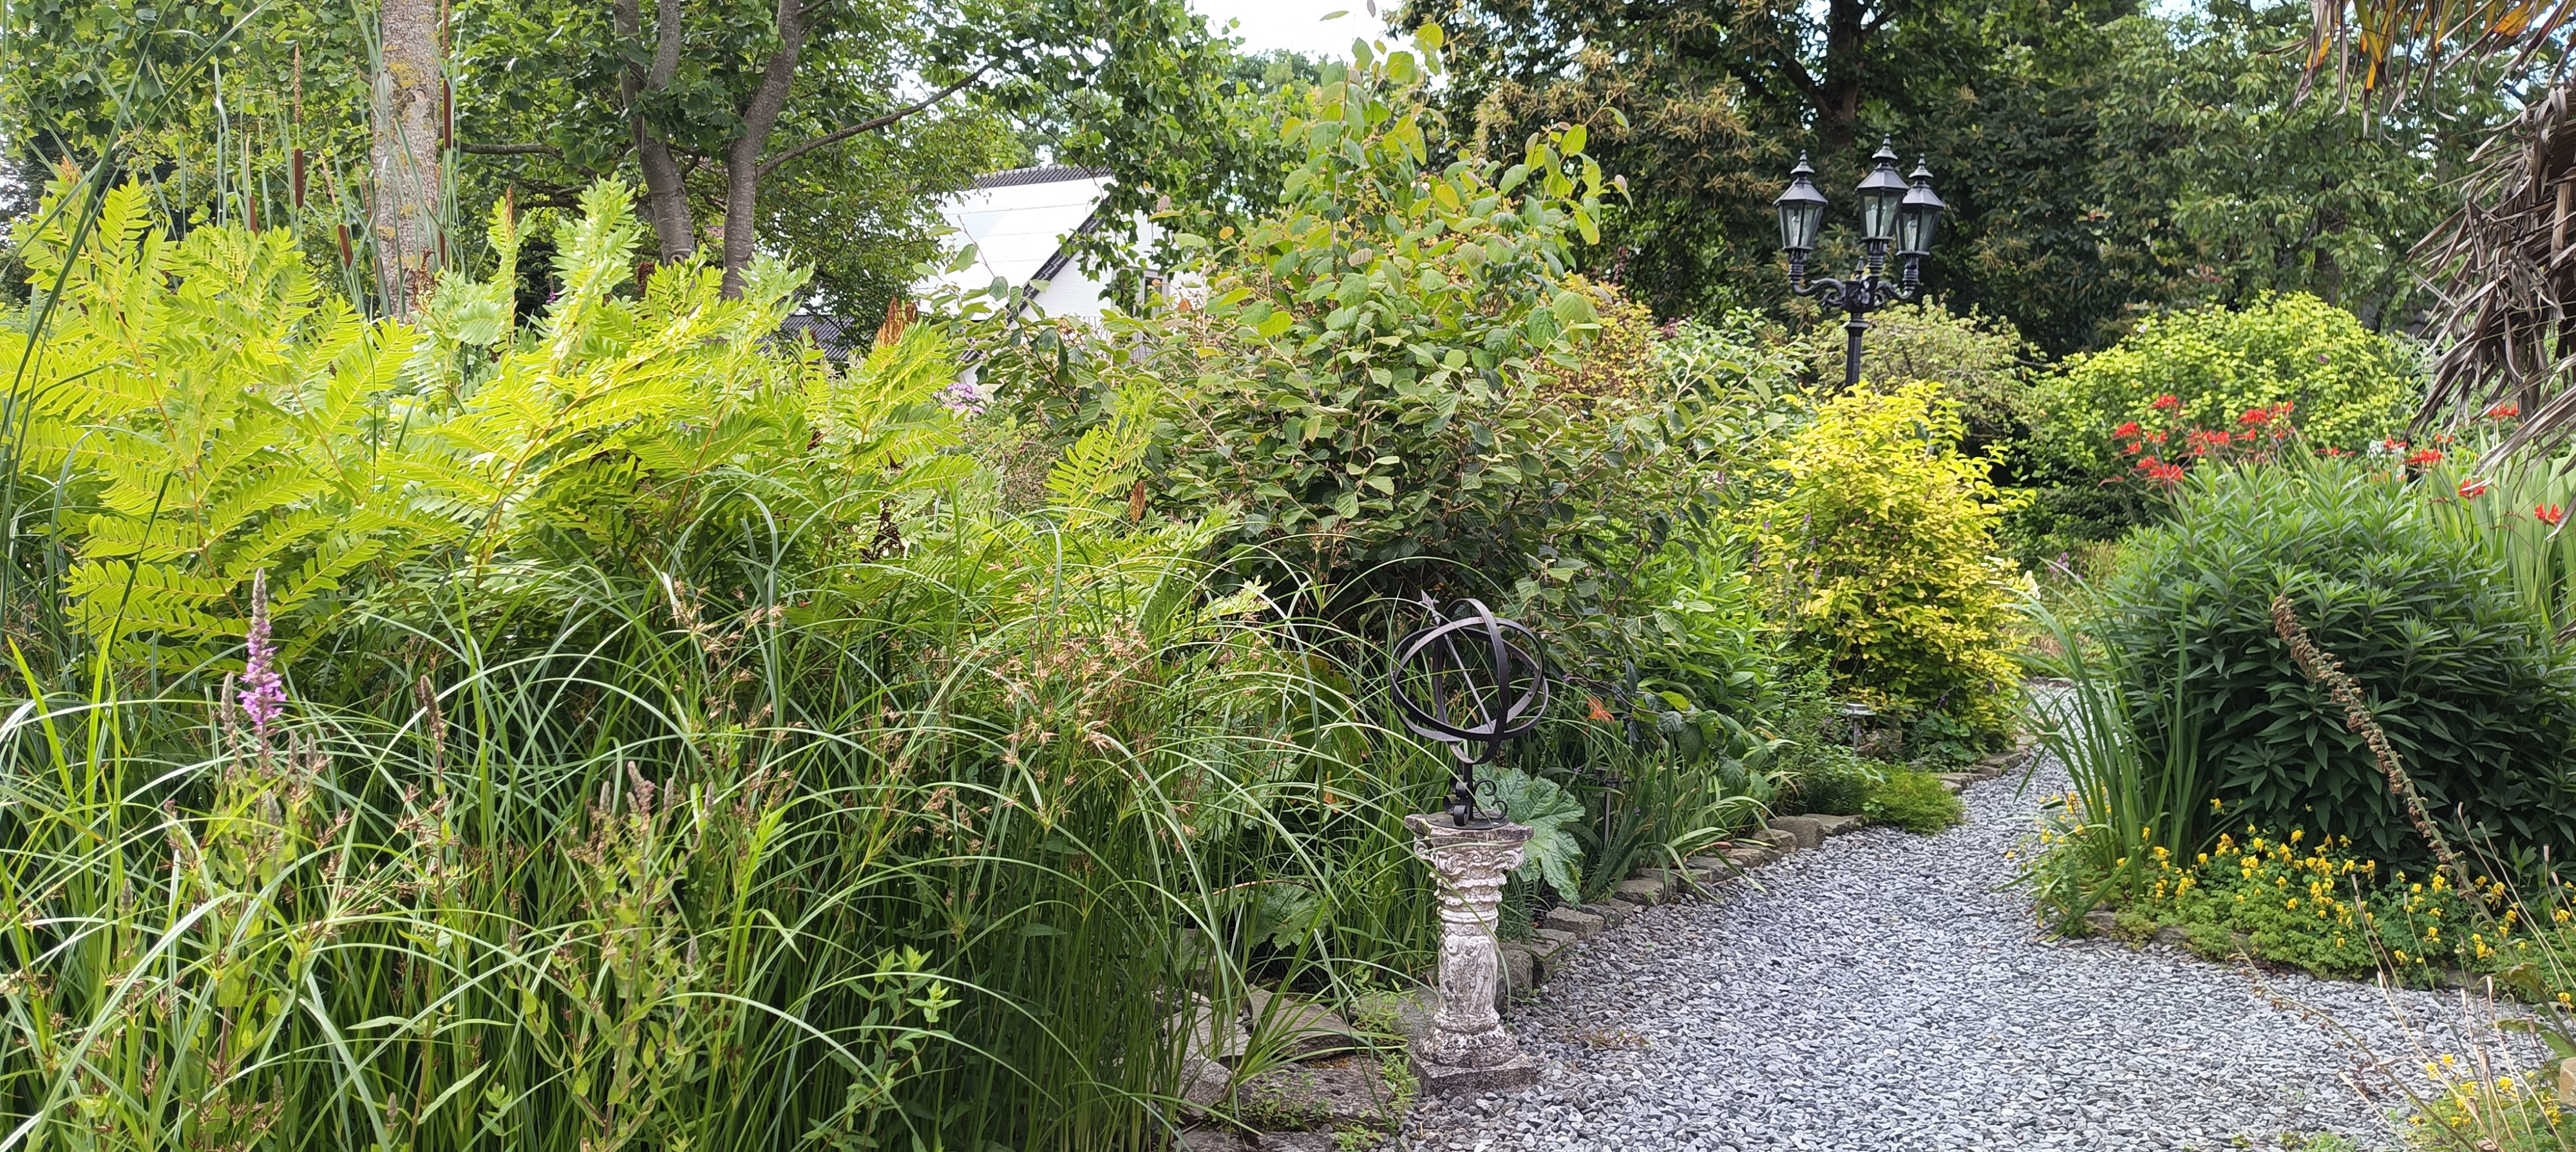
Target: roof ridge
(1038, 174)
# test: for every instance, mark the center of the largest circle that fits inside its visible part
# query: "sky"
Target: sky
(1296, 25)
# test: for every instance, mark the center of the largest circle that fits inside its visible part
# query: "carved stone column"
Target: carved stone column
(1464, 1048)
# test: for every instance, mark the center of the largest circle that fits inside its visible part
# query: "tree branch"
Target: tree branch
(871, 124)
(510, 150)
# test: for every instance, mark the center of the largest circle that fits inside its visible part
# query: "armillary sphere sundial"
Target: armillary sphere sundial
(1474, 682)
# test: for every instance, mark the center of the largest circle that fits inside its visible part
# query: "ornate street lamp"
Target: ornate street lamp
(1891, 210)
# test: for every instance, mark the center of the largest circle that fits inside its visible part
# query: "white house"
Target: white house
(1023, 223)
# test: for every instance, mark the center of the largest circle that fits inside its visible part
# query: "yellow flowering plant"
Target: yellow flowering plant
(2312, 903)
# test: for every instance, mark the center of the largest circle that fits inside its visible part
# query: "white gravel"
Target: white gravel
(1885, 992)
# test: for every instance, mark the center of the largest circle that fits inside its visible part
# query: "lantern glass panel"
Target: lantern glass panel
(1878, 212)
(1914, 229)
(1798, 224)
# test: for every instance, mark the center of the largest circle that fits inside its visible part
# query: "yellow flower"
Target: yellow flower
(2296, 834)
(2214, 804)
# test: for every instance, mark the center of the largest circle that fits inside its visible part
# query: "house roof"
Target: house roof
(1020, 220)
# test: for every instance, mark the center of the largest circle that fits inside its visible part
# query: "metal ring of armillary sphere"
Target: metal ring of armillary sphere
(1471, 681)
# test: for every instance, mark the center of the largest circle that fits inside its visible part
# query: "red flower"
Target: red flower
(2549, 514)
(2425, 456)
(2392, 444)
(2472, 488)
(2126, 431)
(1598, 712)
(2254, 416)
(2168, 402)
(2330, 453)
(2504, 410)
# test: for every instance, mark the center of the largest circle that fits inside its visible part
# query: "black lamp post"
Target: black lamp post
(1890, 210)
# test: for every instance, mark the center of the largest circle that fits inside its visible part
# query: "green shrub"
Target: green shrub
(2347, 386)
(2477, 699)
(1915, 801)
(1875, 537)
(1837, 786)
(1981, 363)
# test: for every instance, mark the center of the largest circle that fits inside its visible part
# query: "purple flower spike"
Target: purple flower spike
(963, 398)
(262, 692)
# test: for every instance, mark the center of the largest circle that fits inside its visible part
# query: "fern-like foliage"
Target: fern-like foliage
(216, 415)
(219, 418)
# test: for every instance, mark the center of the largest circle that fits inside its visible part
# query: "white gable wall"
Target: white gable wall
(1018, 221)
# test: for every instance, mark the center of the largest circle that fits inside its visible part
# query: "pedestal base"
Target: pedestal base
(1442, 1080)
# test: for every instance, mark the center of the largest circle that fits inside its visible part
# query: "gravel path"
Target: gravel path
(1881, 994)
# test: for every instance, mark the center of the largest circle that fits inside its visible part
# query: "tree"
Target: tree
(2260, 191)
(409, 149)
(2499, 261)
(715, 99)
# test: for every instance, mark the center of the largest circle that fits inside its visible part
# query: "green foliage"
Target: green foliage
(1983, 366)
(2251, 190)
(1915, 801)
(1875, 536)
(2126, 808)
(1838, 786)
(1552, 854)
(2348, 386)
(311, 443)
(2319, 905)
(2511, 509)
(2472, 692)
(1371, 390)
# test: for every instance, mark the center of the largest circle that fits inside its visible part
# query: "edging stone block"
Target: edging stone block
(1643, 893)
(1564, 919)
(1809, 833)
(1837, 825)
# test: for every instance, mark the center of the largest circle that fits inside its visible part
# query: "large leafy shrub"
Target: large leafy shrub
(1983, 365)
(2476, 698)
(2348, 386)
(1876, 536)
(1394, 376)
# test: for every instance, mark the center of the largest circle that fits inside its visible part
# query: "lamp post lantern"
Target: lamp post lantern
(1892, 210)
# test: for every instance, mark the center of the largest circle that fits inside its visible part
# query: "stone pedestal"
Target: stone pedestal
(1464, 1048)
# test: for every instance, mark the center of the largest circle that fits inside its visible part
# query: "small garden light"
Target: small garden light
(1892, 210)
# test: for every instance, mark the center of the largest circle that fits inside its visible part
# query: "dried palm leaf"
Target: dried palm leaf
(2502, 265)
(2505, 271)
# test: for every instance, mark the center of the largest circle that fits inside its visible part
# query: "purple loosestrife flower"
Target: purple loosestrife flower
(262, 692)
(963, 398)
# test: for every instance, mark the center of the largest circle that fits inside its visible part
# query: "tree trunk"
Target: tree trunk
(408, 150)
(666, 193)
(1838, 96)
(742, 157)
